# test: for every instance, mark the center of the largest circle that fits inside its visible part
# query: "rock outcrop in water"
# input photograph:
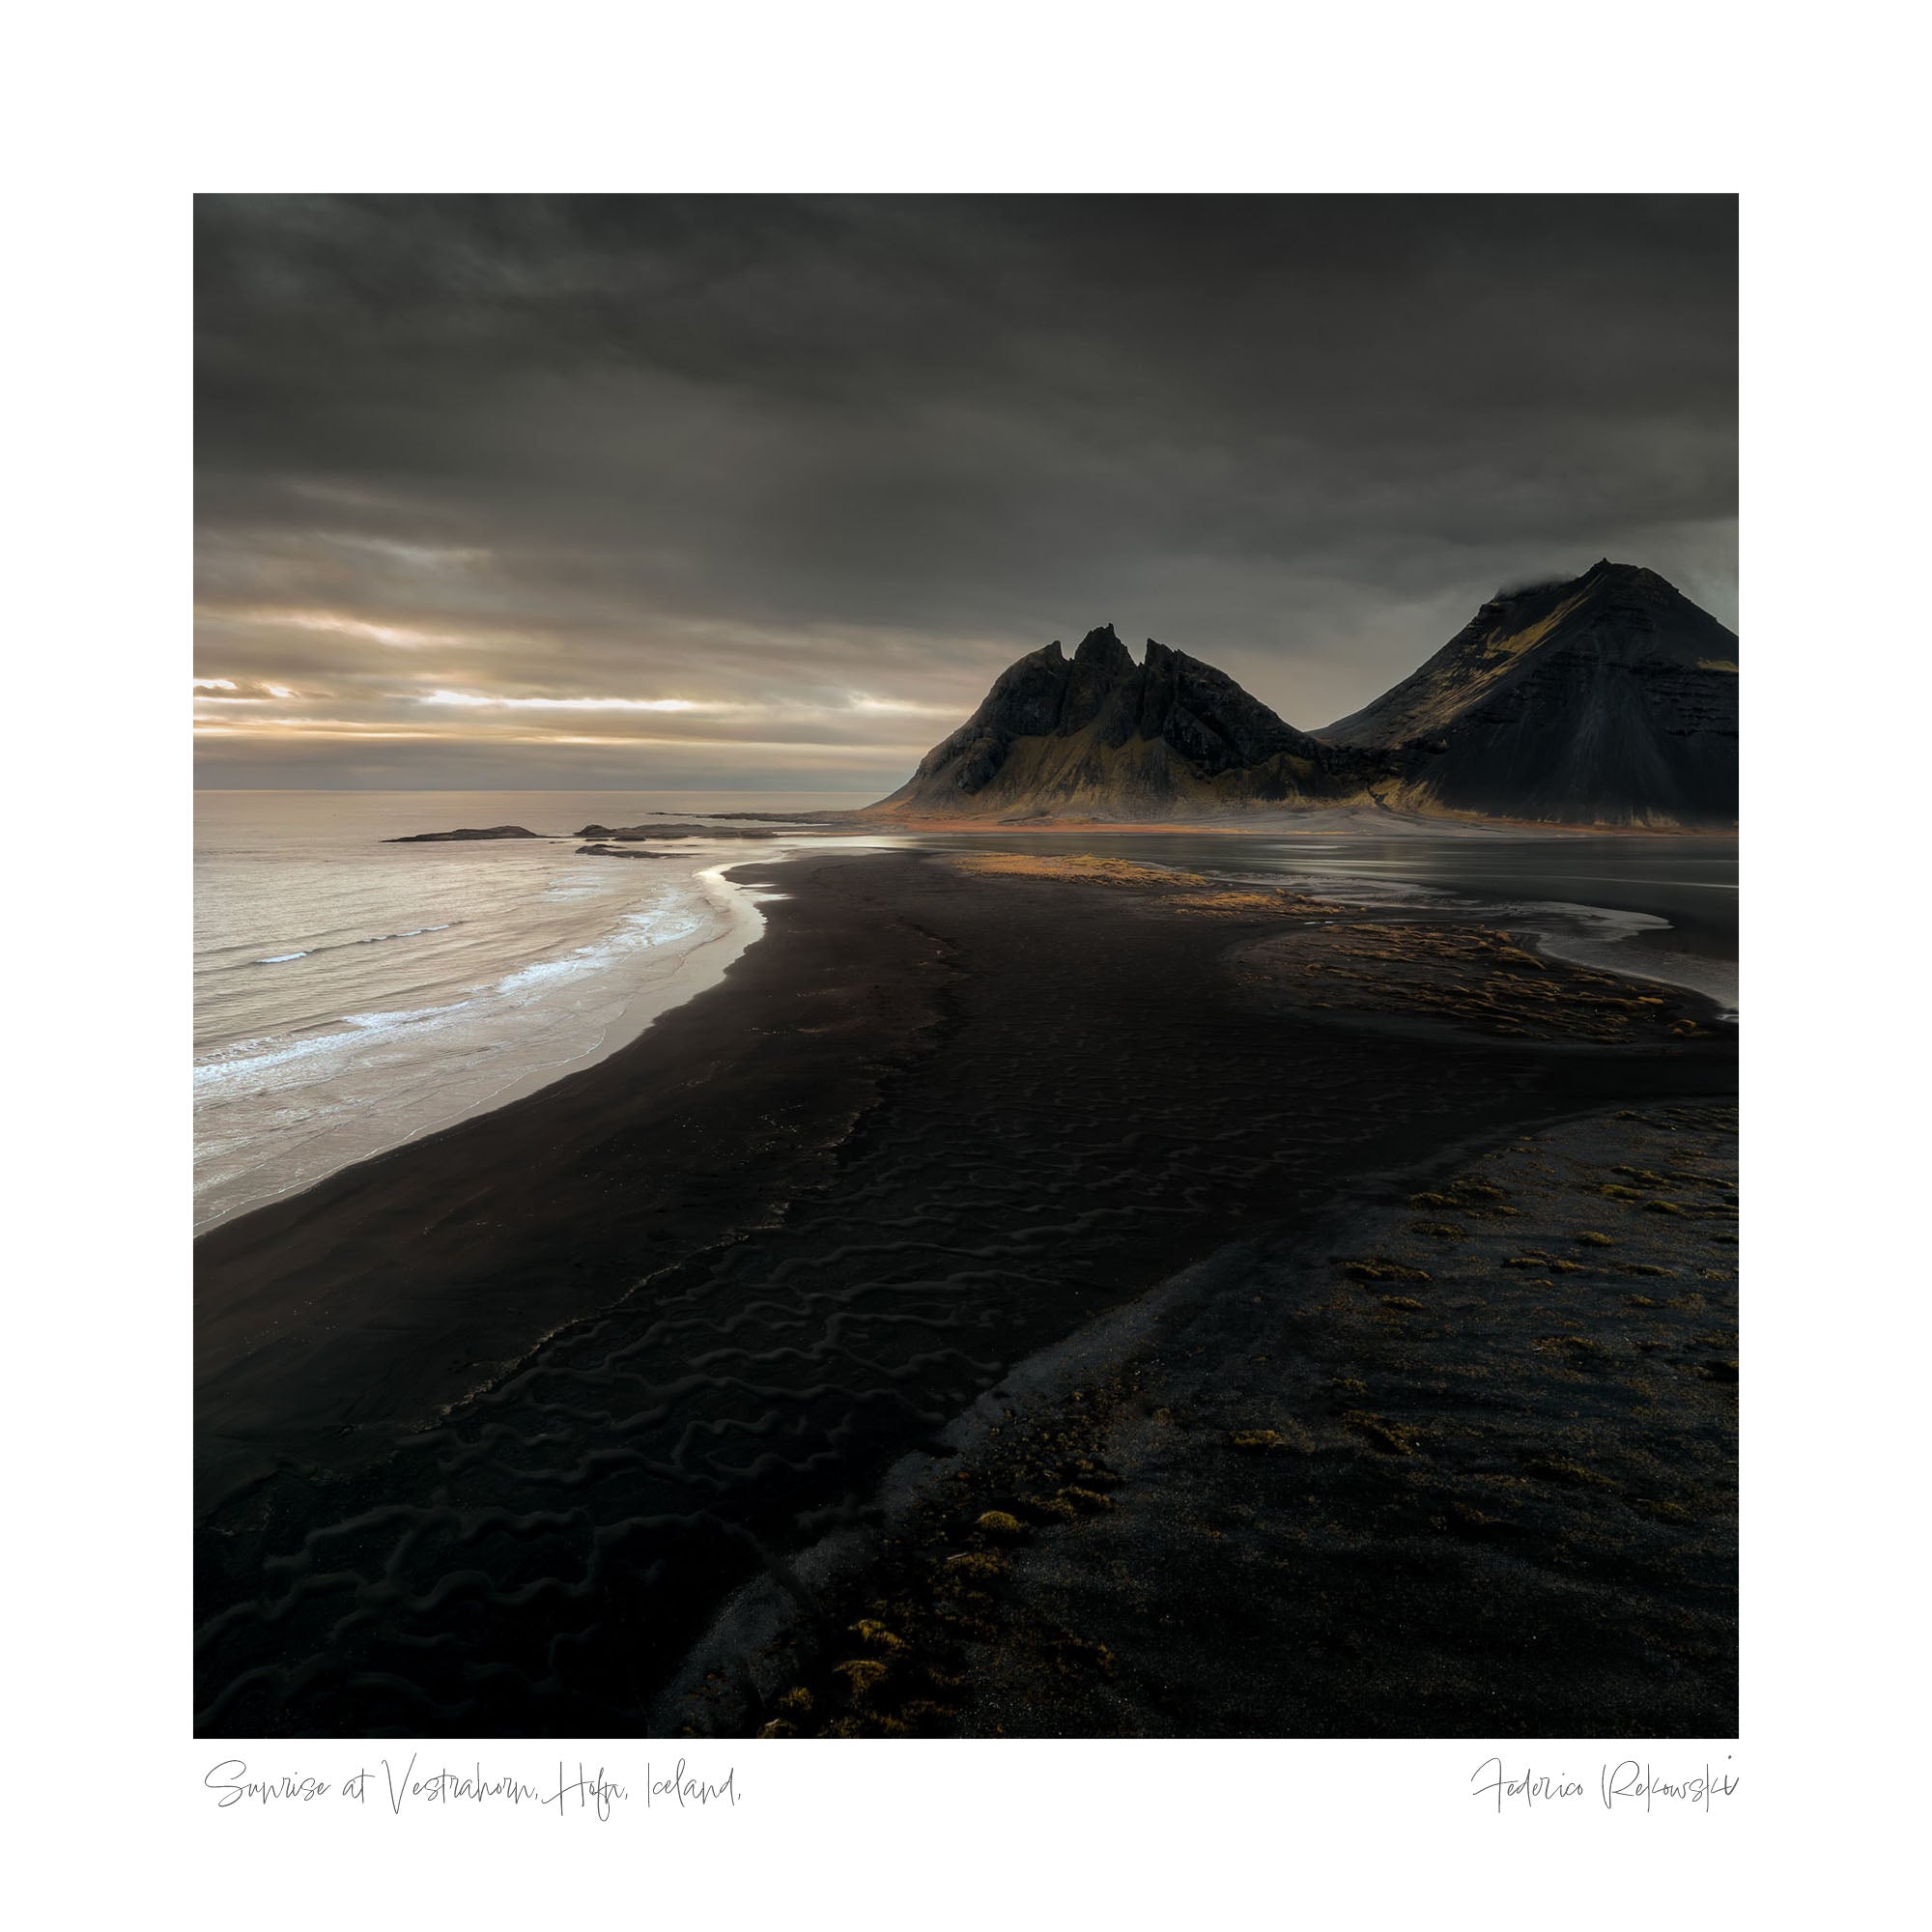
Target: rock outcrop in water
(467, 832)
(1611, 699)
(1098, 735)
(679, 830)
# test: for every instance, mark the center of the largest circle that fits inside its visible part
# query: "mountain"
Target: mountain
(1098, 735)
(1611, 699)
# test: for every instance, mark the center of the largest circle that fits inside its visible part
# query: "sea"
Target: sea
(353, 995)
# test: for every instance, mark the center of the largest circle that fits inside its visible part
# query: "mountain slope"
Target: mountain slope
(1611, 699)
(1097, 734)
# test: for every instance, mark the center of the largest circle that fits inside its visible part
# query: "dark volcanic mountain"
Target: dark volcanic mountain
(1611, 699)
(1098, 735)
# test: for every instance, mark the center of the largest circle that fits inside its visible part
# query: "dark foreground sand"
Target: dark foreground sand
(1457, 1461)
(492, 1428)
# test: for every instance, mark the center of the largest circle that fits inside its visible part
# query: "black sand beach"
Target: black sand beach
(489, 1429)
(1392, 1474)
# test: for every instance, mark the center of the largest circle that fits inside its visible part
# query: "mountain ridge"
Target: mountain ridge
(1098, 731)
(1608, 698)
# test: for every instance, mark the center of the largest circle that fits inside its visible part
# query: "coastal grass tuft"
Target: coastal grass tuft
(1049, 1509)
(1391, 1438)
(1575, 1345)
(863, 1676)
(976, 1566)
(1564, 1473)
(1381, 1269)
(1089, 1502)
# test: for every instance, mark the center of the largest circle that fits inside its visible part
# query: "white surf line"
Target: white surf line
(694, 971)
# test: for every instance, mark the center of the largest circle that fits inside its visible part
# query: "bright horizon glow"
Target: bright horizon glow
(484, 698)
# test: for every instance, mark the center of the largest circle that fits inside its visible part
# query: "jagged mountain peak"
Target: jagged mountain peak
(1102, 650)
(1099, 734)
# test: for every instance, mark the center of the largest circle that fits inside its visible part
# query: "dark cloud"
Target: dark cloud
(793, 452)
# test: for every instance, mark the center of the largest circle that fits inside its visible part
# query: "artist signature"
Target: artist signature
(1625, 1783)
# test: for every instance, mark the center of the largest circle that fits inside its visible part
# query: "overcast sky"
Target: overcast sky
(653, 493)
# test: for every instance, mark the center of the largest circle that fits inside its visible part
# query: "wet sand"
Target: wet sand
(490, 1427)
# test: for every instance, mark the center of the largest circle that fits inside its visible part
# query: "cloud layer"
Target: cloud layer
(651, 493)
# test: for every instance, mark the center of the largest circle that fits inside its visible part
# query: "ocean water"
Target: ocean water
(352, 995)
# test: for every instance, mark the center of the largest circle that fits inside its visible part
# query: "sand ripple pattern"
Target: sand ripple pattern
(534, 1562)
